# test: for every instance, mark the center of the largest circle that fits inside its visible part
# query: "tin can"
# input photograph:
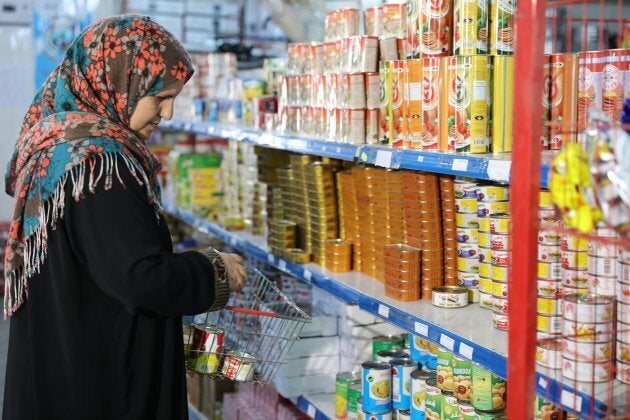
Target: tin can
(485, 300)
(500, 242)
(465, 112)
(372, 88)
(449, 406)
(343, 381)
(206, 348)
(588, 331)
(623, 293)
(603, 250)
(499, 273)
(575, 278)
(489, 391)
(573, 243)
(615, 64)
(364, 54)
(485, 285)
(500, 258)
(385, 356)
(624, 257)
(602, 266)
(394, 17)
(436, 28)
(473, 294)
(501, 27)
(467, 279)
(467, 235)
(623, 313)
(471, 27)
(467, 250)
(433, 402)
(462, 378)
(354, 398)
(401, 382)
(419, 349)
(376, 386)
(373, 21)
(470, 265)
(444, 369)
(502, 103)
(493, 193)
(623, 332)
(386, 342)
(488, 208)
(587, 352)
(549, 324)
(500, 320)
(352, 93)
(485, 239)
(386, 101)
(549, 353)
(377, 416)
(549, 237)
(341, 23)
(549, 253)
(624, 273)
(500, 304)
(623, 372)
(500, 223)
(466, 220)
(466, 205)
(388, 48)
(499, 289)
(238, 366)
(450, 297)
(605, 286)
(549, 306)
(419, 380)
(548, 288)
(414, 97)
(399, 136)
(577, 260)
(587, 371)
(464, 189)
(623, 351)
(588, 308)
(549, 271)
(560, 100)
(466, 411)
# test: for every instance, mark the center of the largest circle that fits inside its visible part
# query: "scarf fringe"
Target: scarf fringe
(52, 210)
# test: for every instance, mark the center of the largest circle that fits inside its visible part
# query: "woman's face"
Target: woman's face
(150, 110)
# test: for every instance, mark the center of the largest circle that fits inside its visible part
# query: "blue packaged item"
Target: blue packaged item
(401, 382)
(376, 382)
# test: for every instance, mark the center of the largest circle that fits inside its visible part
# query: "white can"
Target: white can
(606, 250)
(623, 372)
(499, 305)
(549, 324)
(548, 288)
(449, 296)
(548, 253)
(623, 351)
(587, 352)
(574, 259)
(485, 285)
(575, 278)
(467, 235)
(624, 257)
(588, 308)
(605, 286)
(548, 353)
(469, 265)
(467, 279)
(573, 243)
(500, 321)
(587, 372)
(623, 332)
(466, 205)
(623, 293)
(549, 271)
(467, 220)
(491, 193)
(500, 257)
(623, 270)
(548, 237)
(500, 242)
(602, 266)
(485, 300)
(589, 332)
(623, 313)
(465, 250)
(465, 189)
(473, 294)
(484, 225)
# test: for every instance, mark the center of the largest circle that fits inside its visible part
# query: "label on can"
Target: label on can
(499, 273)
(471, 27)
(485, 269)
(462, 379)
(449, 297)
(399, 128)
(465, 250)
(373, 19)
(466, 205)
(466, 411)
(493, 193)
(587, 352)
(485, 285)
(573, 243)
(433, 402)
(613, 83)
(343, 381)
(502, 103)
(587, 371)
(549, 253)
(501, 27)
(484, 226)
(549, 271)
(467, 235)
(449, 407)
(436, 28)
(623, 372)
(488, 208)
(467, 220)
(354, 397)
(499, 289)
(376, 384)
(500, 257)
(574, 259)
(386, 93)
(548, 288)
(372, 87)
(371, 126)
(401, 383)
(550, 324)
(430, 91)
(465, 189)
(549, 306)
(559, 100)
(419, 391)
(602, 266)
(386, 342)
(489, 391)
(500, 242)
(445, 370)
(588, 308)
(419, 349)
(548, 353)
(467, 279)
(500, 223)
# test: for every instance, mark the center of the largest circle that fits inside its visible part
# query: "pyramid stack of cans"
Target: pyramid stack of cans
(402, 272)
(322, 208)
(449, 230)
(423, 223)
(299, 195)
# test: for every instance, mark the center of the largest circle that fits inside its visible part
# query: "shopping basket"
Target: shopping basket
(247, 340)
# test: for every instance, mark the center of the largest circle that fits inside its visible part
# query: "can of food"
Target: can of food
(462, 378)
(206, 348)
(239, 366)
(549, 271)
(386, 101)
(466, 205)
(399, 128)
(559, 100)
(499, 304)
(623, 313)
(549, 324)
(577, 279)
(603, 250)
(385, 356)
(586, 351)
(587, 371)
(623, 372)
(372, 86)
(433, 401)
(602, 266)
(466, 411)
(546, 410)
(485, 269)
(449, 406)
(467, 250)
(489, 391)
(484, 238)
(436, 28)
(444, 369)
(467, 235)
(430, 89)
(419, 380)
(376, 386)
(354, 397)
(549, 306)
(371, 126)
(493, 193)
(605, 286)
(500, 320)
(500, 257)
(501, 27)
(549, 237)
(467, 220)
(386, 342)
(549, 253)
(469, 265)
(473, 294)
(623, 293)
(419, 349)
(499, 289)
(485, 255)
(613, 83)
(588, 308)
(502, 103)
(576, 260)
(467, 279)
(588, 331)
(573, 243)
(500, 242)
(465, 189)
(485, 300)
(401, 382)
(367, 415)
(450, 297)
(342, 382)
(403, 415)
(465, 111)
(471, 27)
(488, 208)
(485, 285)
(484, 225)
(500, 223)
(624, 273)
(623, 351)
(548, 288)
(624, 257)
(499, 273)
(549, 353)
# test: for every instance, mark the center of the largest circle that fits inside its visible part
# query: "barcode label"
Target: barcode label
(383, 158)
(570, 400)
(270, 258)
(542, 382)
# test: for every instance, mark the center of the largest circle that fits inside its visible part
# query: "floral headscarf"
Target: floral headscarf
(81, 115)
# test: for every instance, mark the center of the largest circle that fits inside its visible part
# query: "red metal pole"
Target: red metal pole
(525, 185)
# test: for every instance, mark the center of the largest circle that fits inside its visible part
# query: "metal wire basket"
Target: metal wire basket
(247, 340)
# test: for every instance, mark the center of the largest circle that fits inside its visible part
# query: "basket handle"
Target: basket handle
(251, 311)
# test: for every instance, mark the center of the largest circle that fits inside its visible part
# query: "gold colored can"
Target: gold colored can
(502, 103)
(297, 255)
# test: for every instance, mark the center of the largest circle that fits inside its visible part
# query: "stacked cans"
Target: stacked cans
(500, 234)
(369, 201)
(338, 255)
(623, 317)
(259, 209)
(467, 235)
(402, 272)
(449, 229)
(282, 236)
(349, 214)
(392, 230)
(322, 208)
(423, 223)
(602, 263)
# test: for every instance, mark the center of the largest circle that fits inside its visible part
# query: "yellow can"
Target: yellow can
(464, 114)
(386, 110)
(502, 103)
(471, 27)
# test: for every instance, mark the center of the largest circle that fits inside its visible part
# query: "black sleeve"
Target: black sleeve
(128, 252)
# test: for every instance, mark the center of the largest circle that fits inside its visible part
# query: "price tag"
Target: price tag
(311, 411)
(422, 329)
(569, 399)
(499, 170)
(460, 165)
(307, 275)
(282, 264)
(383, 158)
(420, 158)
(233, 240)
(466, 351)
(338, 150)
(542, 382)
(447, 342)
(270, 258)
(383, 310)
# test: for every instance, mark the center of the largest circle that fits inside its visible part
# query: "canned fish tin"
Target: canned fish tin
(500, 258)
(376, 385)
(469, 265)
(500, 242)
(462, 378)
(588, 308)
(623, 372)
(466, 411)
(500, 223)
(385, 356)
(377, 416)
(467, 220)
(548, 288)
(604, 250)
(484, 226)
(467, 279)
(577, 279)
(549, 353)
(485, 285)
(500, 321)
(385, 342)
(485, 300)
(444, 369)
(487, 209)
(465, 189)
(587, 352)
(586, 331)
(489, 391)
(548, 253)
(403, 415)
(485, 240)
(485, 269)
(499, 304)
(548, 237)
(493, 193)
(354, 397)
(239, 366)
(450, 297)
(401, 382)
(499, 273)
(419, 380)
(623, 351)
(602, 266)
(549, 271)
(467, 235)
(449, 406)
(587, 371)
(342, 382)
(485, 255)
(549, 306)
(577, 260)
(499, 289)
(605, 286)
(467, 250)
(205, 351)
(433, 401)
(466, 205)
(549, 324)
(419, 349)
(473, 294)
(573, 243)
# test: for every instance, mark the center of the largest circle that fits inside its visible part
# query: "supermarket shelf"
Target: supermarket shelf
(316, 406)
(491, 167)
(466, 331)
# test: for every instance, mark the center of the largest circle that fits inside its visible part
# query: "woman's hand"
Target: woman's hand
(236, 271)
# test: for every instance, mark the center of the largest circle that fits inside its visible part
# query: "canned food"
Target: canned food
(430, 105)
(401, 382)
(205, 349)
(467, 220)
(500, 321)
(467, 279)
(586, 351)
(484, 238)
(623, 372)
(623, 313)
(493, 193)
(485, 300)
(490, 415)
(602, 266)
(239, 366)
(549, 253)
(449, 406)
(469, 265)
(466, 205)
(433, 401)
(419, 349)
(488, 208)
(588, 331)
(549, 271)
(484, 226)
(462, 378)
(444, 369)
(605, 286)
(450, 297)
(489, 391)
(545, 201)
(500, 242)
(485, 255)
(402, 252)
(465, 189)
(386, 342)
(501, 30)
(485, 285)
(624, 272)
(549, 353)
(588, 308)
(499, 273)
(499, 304)
(500, 223)
(377, 416)
(549, 324)
(604, 250)
(623, 351)
(403, 415)
(500, 258)
(548, 237)
(385, 356)
(473, 294)
(485, 269)
(354, 397)
(577, 260)
(466, 411)
(577, 279)
(548, 288)
(419, 380)
(376, 385)
(587, 371)
(467, 250)
(342, 382)
(499, 289)
(573, 243)
(549, 306)
(560, 100)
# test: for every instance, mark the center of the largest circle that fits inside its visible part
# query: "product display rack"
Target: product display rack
(317, 406)
(465, 331)
(490, 167)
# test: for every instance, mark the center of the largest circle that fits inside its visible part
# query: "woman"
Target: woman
(93, 289)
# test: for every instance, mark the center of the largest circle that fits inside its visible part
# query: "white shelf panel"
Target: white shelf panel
(317, 406)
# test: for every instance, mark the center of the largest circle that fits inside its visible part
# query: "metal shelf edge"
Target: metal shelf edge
(309, 408)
